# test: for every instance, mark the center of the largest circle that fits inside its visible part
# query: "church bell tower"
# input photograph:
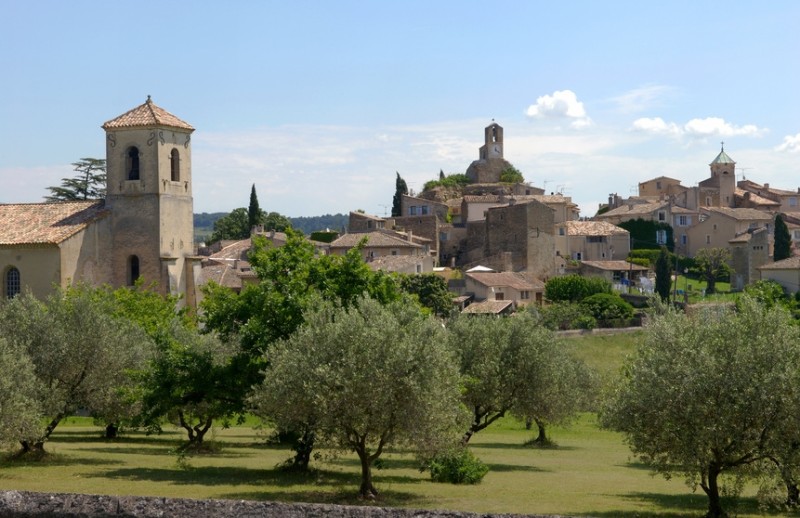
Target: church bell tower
(149, 195)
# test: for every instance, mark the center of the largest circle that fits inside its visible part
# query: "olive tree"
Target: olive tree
(512, 365)
(364, 378)
(19, 404)
(711, 394)
(79, 351)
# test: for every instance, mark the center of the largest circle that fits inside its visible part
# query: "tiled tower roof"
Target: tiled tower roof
(146, 115)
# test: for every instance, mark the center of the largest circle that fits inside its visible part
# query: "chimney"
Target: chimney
(766, 186)
(410, 236)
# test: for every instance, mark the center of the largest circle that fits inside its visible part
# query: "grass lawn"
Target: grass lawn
(589, 473)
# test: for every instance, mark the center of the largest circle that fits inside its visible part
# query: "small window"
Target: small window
(174, 165)
(133, 270)
(525, 294)
(13, 283)
(683, 220)
(708, 239)
(561, 231)
(412, 210)
(499, 296)
(661, 237)
(424, 209)
(662, 216)
(684, 239)
(658, 185)
(132, 163)
(708, 201)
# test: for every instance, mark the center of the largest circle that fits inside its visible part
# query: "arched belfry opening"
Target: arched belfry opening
(132, 163)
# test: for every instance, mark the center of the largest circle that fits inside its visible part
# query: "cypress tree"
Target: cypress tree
(663, 281)
(254, 216)
(400, 188)
(783, 240)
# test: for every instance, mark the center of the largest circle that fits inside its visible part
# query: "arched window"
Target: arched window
(174, 164)
(132, 163)
(133, 270)
(12, 282)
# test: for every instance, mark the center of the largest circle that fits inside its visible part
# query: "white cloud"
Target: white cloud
(657, 126)
(697, 128)
(563, 104)
(711, 126)
(791, 143)
(641, 99)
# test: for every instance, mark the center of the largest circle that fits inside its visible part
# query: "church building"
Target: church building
(142, 230)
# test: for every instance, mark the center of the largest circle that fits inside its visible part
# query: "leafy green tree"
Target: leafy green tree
(767, 292)
(276, 222)
(505, 366)
(431, 290)
(712, 393)
(235, 225)
(663, 274)
(19, 406)
(255, 216)
(88, 184)
(511, 175)
(361, 390)
(400, 189)
(292, 279)
(80, 352)
(451, 180)
(712, 264)
(574, 288)
(192, 381)
(783, 240)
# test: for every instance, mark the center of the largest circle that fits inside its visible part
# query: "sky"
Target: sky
(321, 103)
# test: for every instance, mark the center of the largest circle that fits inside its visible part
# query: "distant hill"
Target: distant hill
(204, 223)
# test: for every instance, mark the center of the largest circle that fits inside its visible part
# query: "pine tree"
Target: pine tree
(783, 240)
(399, 190)
(88, 184)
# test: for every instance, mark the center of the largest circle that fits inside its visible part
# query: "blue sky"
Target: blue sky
(319, 103)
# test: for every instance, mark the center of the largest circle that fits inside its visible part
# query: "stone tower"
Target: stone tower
(149, 195)
(490, 163)
(724, 169)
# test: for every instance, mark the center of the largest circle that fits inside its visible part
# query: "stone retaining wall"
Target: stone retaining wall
(25, 504)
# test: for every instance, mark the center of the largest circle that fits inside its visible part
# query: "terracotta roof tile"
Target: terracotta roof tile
(145, 115)
(46, 223)
(740, 214)
(792, 263)
(374, 240)
(635, 209)
(510, 279)
(615, 265)
(593, 228)
(491, 307)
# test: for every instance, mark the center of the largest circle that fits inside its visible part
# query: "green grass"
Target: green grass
(590, 472)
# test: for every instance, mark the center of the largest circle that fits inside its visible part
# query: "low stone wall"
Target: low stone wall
(25, 504)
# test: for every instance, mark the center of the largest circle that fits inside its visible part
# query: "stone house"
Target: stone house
(619, 273)
(785, 272)
(749, 251)
(781, 200)
(506, 286)
(143, 228)
(718, 225)
(595, 241)
(646, 209)
(380, 243)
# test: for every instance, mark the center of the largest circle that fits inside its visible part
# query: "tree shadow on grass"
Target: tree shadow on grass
(520, 446)
(15, 460)
(507, 468)
(224, 475)
(680, 506)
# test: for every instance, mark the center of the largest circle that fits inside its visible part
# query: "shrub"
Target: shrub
(566, 315)
(457, 466)
(608, 307)
(574, 288)
(451, 180)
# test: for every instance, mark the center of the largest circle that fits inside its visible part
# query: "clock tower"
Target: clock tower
(493, 142)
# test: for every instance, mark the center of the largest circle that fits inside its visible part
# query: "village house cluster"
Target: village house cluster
(507, 238)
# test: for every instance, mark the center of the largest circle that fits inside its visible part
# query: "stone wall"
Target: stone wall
(25, 504)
